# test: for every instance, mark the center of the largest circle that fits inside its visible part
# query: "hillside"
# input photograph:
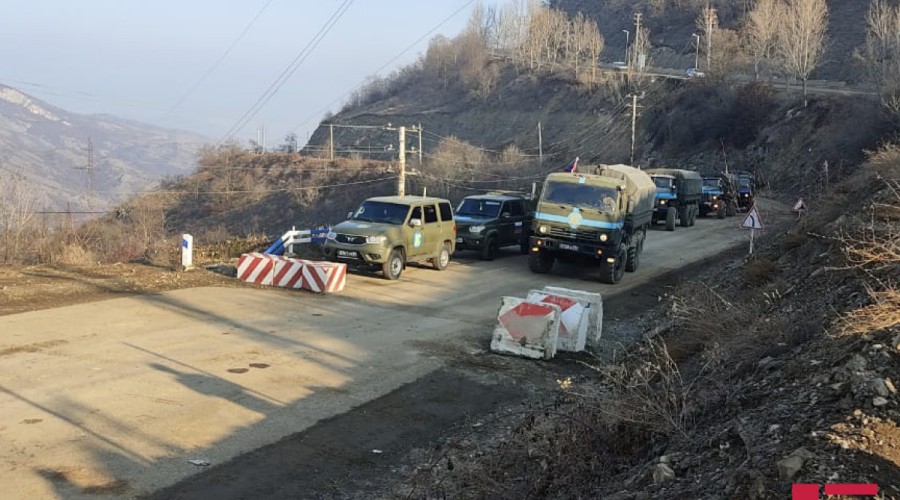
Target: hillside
(46, 149)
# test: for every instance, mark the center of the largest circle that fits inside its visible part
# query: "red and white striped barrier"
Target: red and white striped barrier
(593, 312)
(315, 276)
(526, 329)
(573, 320)
(324, 277)
(256, 268)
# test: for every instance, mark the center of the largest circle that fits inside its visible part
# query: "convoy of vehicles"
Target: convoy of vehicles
(601, 217)
(597, 218)
(485, 223)
(678, 194)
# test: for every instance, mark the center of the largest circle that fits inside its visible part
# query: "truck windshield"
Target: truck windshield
(663, 182)
(744, 182)
(581, 195)
(379, 211)
(711, 181)
(478, 208)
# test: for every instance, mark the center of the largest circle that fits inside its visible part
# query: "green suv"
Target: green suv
(490, 221)
(390, 231)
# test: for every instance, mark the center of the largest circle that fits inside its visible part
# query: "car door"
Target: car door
(431, 229)
(448, 225)
(415, 236)
(517, 221)
(506, 224)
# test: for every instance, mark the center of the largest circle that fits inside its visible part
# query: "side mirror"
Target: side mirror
(415, 222)
(349, 215)
(505, 215)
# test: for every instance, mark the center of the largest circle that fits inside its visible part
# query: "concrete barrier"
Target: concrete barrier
(256, 268)
(593, 310)
(526, 329)
(324, 277)
(573, 321)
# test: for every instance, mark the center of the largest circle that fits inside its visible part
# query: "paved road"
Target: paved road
(115, 397)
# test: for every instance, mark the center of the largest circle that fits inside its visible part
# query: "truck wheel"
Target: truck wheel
(393, 266)
(540, 262)
(693, 217)
(442, 259)
(613, 273)
(670, 219)
(490, 248)
(633, 258)
(720, 213)
(684, 216)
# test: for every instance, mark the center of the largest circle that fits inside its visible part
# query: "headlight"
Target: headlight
(715, 197)
(604, 237)
(331, 235)
(662, 202)
(476, 229)
(543, 229)
(374, 240)
(746, 195)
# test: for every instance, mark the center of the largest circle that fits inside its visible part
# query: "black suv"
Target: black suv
(487, 222)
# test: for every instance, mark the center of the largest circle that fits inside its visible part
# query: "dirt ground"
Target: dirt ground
(34, 288)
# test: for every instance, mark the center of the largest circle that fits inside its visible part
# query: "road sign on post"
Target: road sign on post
(752, 222)
(799, 207)
(187, 251)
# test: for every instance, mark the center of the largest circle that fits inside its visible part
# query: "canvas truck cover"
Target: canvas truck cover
(690, 183)
(640, 191)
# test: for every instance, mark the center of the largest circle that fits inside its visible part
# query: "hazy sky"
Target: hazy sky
(140, 59)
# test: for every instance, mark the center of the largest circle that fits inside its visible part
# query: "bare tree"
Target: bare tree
(801, 37)
(640, 51)
(17, 212)
(882, 54)
(760, 31)
(707, 23)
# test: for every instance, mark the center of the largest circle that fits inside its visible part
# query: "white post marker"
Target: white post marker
(187, 251)
(752, 222)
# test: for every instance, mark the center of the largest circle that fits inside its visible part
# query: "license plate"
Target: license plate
(346, 253)
(459, 240)
(566, 246)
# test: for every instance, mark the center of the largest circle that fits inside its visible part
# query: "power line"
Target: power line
(289, 70)
(218, 61)
(385, 65)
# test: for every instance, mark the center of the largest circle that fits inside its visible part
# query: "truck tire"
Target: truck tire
(684, 216)
(633, 257)
(540, 262)
(731, 208)
(393, 266)
(613, 273)
(720, 213)
(692, 219)
(442, 259)
(490, 248)
(670, 219)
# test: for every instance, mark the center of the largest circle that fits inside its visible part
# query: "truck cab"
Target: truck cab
(745, 190)
(711, 198)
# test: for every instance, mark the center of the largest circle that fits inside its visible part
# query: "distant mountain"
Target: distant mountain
(47, 149)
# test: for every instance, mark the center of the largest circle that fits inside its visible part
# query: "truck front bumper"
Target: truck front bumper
(578, 247)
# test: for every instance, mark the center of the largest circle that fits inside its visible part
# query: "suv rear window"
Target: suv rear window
(430, 214)
(446, 211)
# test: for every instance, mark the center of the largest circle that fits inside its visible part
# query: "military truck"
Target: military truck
(744, 189)
(711, 197)
(487, 222)
(600, 217)
(677, 195)
(391, 231)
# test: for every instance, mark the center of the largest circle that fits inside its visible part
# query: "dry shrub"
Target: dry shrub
(76, 255)
(882, 314)
(759, 271)
(793, 241)
(702, 316)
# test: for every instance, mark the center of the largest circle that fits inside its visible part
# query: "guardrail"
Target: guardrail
(294, 237)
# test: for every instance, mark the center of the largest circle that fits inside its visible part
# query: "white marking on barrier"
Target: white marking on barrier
(256, 268)
(526, 329)
(593, 304)
(288, 273)
(573, 320)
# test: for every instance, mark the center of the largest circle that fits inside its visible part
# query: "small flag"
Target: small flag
(572, 166)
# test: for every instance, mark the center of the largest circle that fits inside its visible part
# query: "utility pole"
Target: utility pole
(90, 173)
(697, 53)
(634, 108)
(401, 181)
(419, 129)
(709, 14)
(330, 141)
(540, 146)
(637, 40)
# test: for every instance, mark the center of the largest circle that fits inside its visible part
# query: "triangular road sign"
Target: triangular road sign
(799, 206)
(752, 221)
